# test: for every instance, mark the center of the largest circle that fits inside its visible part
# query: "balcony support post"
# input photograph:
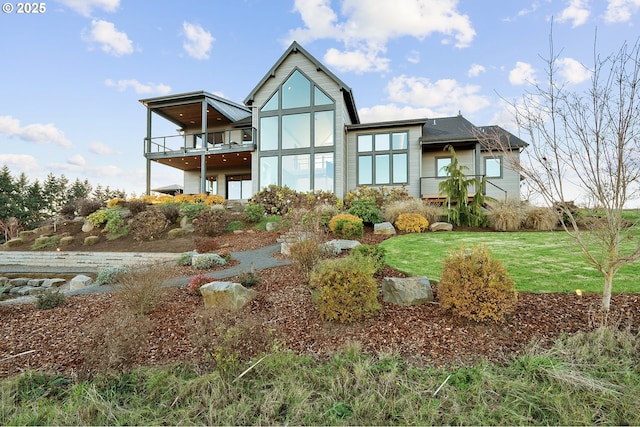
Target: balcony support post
(147, 150)
(203, 158)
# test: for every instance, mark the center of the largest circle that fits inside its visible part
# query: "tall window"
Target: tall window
(383, 158)
(297, 136)
(441, 166)
(493, 167)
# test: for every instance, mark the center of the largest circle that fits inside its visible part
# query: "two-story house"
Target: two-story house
(299, 127)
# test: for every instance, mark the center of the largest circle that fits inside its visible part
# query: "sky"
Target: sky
(72, 75)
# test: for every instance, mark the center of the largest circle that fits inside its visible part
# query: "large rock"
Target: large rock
(53, 283)
(440, 226)
(336, 246)
(87, 227)
(384, 228)
(406, 291)
(80, 281)
(227, 295)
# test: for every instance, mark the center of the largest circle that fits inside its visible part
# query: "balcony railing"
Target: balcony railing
(208, 141)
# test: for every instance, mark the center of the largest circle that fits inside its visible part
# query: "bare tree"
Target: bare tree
(589, 140)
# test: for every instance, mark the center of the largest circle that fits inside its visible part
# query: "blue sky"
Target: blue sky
(71, 77)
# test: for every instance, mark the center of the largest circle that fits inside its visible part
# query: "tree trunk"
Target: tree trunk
(606, 291)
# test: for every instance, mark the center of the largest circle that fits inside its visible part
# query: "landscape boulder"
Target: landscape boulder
(406, 291)
(227, 295)
(384, 228)
(91, 240)
(336, 246)
(87, 227)
(80, 281)
(440, 226)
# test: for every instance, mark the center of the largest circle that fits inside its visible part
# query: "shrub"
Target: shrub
(374, 194)
(338, 223)
(139, 289)
(476, 286)
(99, 217)
(508, 215)
(278, 200)
(49, 299)
(116, 201)
(68, 210)
(306, 254)
(171, 211)
(254, 213)
(148, 225)
(88, 206)
(136, 206)
(193, 288)
(373, 253)
(392, 210)
(116, 227)
(206, 245)
(321, 198)
(45, 242)
(190, 210)
(112, 341)
(214, 199)
(541, 219)
(227, 338)
(345, 289)
(367, 210)
(248, 278)
(109, 275)
(233, 226)
(412, 223)
(566, 208)
(208, 261)
(185, 259)
(211, 222)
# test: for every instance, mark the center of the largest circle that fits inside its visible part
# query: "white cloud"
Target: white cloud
(111, 40)
(365, 27)
(86, 7)
(100, 148)
(577, 13)
(475, 70)
(522, 73)
(573, 71)
(20, 162)
(138, 87)
(76, 160)
(621, 10)
(358, 61)
(38, 133)
(445, 96)
(198, 41)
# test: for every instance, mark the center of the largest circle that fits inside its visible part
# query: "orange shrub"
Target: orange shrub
(412, 223)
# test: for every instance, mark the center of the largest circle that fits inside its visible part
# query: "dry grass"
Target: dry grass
(140, 289)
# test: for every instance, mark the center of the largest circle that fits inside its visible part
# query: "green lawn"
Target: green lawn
(536, 261)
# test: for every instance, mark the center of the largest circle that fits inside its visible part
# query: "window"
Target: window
(441, 166)
(383, 158)
(493, 167)
(296, 172)
(297, 129)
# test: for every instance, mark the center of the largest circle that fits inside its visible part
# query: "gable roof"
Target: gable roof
(295, 48)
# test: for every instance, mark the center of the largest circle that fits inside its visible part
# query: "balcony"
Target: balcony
(220, 148)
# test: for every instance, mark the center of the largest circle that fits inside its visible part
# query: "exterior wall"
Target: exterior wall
(430, 182)
(330, 87)
(510, 181)
(414, 164)
(192, 179)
